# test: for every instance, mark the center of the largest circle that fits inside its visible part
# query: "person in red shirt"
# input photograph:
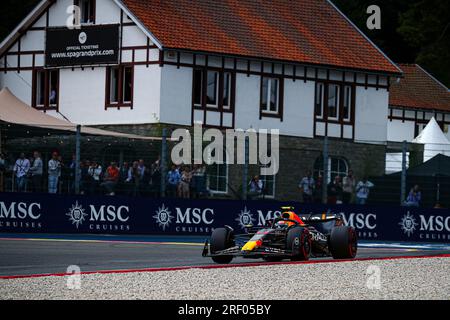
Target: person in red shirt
(111, 178)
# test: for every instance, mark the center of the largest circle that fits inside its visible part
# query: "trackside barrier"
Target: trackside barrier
(43, 213)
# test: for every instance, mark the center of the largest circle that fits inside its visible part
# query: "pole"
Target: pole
(325, 171)
(403, 179)
(245, 173)
(163, 162)
(77, 160)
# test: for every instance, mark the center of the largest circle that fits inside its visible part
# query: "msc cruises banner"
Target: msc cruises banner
(43, 213)
(86, 46)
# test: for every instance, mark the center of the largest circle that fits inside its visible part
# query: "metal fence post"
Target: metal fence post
(325, 171)
(245, 173)
(163, 162)
(403, 179)
(77, 160)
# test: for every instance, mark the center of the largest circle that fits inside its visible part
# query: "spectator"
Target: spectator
(85, 183)
(335, 191)
(318, 189)
(362, 191)
(185, 183)
(21, 168)
(134, 179)
(173, 179)
(141, 168)
(111, 179)
(256, 187)
(95, 171)
(199, 181)
(414, 197)
(123, 176)
(156, 179)
(54, 172)
(2, 171)
(348, 187)
(36, 171)
(307, 185)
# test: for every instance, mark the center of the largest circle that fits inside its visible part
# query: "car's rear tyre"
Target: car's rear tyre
(221, 239)
(343, 242)
(299, 241)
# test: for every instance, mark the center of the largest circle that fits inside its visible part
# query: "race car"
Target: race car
(289, 236)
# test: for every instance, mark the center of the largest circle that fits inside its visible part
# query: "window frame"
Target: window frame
(47, 87)
(337, 101)
(340, 100)
(265, 111)
(121, 87)
(331, 174)
(93, 4)
(203, 71)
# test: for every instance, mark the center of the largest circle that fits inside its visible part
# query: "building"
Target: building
(301, 67)
(413, 101)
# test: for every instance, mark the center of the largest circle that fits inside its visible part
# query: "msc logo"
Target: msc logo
(188, 217)
(408, 224)
(76, 214)
(163, 217)
(245, 218)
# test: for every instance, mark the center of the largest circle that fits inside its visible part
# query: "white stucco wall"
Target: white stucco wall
(371, 114)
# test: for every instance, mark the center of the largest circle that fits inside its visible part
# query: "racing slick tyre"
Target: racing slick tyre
(221, 239)
(299, 241)
(343, 242)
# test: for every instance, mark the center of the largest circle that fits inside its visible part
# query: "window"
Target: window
(346, 104)
(198, 85)
(226, 98)
(270, 95)
(336, 167)
(319, 100)
(218, 178)
(119, 90)
(217, 90)
(269, 185)
(46, 89)
(87, 11)
(212, 86)
(333, 101)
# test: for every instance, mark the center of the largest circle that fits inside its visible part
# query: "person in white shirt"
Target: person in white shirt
(362, 191)
(348, 187)
(307, 185)
(21, 168)
(54, 172)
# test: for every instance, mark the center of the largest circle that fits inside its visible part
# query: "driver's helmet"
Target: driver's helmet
(291, 215)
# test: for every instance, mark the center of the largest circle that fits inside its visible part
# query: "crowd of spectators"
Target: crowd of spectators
(128, 178)
(139, 179)
(341, 190)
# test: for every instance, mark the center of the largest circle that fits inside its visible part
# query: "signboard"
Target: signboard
(43, 213)
(90, 45)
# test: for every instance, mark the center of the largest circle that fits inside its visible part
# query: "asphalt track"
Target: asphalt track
(52, 254)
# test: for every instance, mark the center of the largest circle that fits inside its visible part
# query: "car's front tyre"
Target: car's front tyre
(299, 242)
(221, 239)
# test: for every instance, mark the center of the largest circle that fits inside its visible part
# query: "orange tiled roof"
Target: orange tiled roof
(306, 31)
(418, 89)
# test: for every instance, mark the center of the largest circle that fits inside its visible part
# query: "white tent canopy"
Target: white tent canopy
(434, 140)
(14, 111)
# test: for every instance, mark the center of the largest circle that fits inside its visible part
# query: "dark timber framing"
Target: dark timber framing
(340, 120)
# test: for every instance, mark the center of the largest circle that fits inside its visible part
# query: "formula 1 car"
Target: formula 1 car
(286, 237)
